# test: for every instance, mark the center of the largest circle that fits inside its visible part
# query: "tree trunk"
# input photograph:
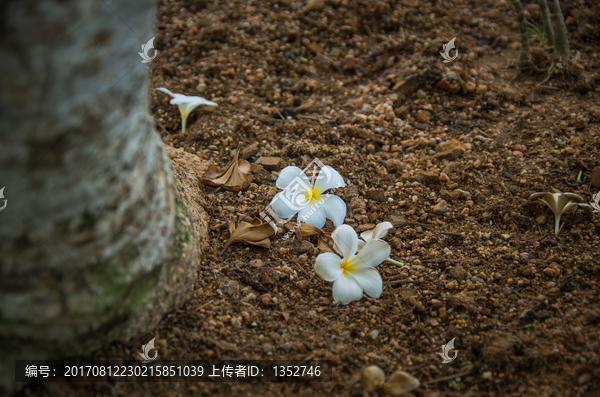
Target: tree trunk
(547, 22)
(525, 61)
(94, 244)
(561, 37)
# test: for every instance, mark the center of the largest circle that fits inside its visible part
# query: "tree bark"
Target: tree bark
(94, 244)
(525, 61)
(547, 22)
(561, 36)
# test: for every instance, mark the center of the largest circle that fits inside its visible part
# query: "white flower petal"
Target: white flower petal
(346, 239)
(369, 280)
(166, 91)
(373, 253)
(346, 289)
(197, 101)
(328, 266)
(381, 229)
(328, 179)
(361, 244)
(368, 235)
(313, 215)
(282, 207)
(334, 208)
(180, 100)
(292, 177)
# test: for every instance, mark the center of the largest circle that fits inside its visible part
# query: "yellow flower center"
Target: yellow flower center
(312, 195)
(347, 266)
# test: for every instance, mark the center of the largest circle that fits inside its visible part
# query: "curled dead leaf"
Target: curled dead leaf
(304, 230)
(249, 231)
(235, 177)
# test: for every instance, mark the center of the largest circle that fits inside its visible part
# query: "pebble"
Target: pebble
(441, 207)
(265, 299)
(268, 348)
(231, 208)
(374, 334)
(452, 284)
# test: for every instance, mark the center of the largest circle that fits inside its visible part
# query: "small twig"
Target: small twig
(547, 87)
(297, 264)
(161, 126)
(445, 378)
(204, 305)
(453, 234)
(398, 302)
(564, 322)
(422, 329)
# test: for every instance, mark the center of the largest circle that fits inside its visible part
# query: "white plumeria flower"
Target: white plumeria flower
(376, 234)
(354, 273)
(186, 104)
(300, 197)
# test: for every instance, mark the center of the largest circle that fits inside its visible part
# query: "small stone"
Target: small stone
(236, 322)
(452, 284)
(271, 163)
(585, 378)
(459, 273)
(487, 375)
(398, 220)
(436, 303)
(524, 257)
(376, 194)
(549, 272)
(256, 263)
(265, 299)
(444, 178)
(393, 165)
(303, 259)
(374, 309)
(540, 220)
(268, 348)
(374, 334)
(580, 338)
(423, 116)
(450, 154)
(430, 178)
(442, 312)
(441, 207)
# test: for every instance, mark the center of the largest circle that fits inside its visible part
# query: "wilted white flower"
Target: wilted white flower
(186, 104)
(354, 273)
(300, 197)
(375, 234)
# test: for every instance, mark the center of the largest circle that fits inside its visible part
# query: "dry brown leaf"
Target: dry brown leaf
(305, 230)
(325, 243)
(249, 231)
(235, 177)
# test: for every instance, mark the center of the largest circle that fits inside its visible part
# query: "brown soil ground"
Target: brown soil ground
(360, 85)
